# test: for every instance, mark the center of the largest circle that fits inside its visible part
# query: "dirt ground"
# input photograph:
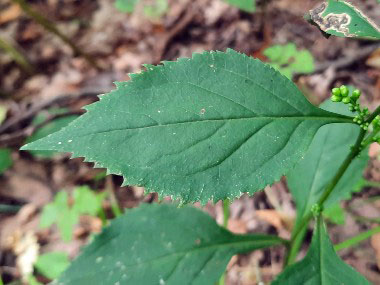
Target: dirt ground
(120, 43)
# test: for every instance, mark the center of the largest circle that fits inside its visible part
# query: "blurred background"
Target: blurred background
(57, 55)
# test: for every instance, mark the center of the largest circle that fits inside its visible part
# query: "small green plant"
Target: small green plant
(288, 60)
(213, 127)
(52, 264)
(66, 216)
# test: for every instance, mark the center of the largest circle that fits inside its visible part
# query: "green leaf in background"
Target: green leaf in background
(85, 201)
(326, 153)
(342, 19)
(60, 213)
(31, 281)
(48, 129)
(245, 5)
(321, 265)
(157, 9)
(5, 159)
(288, 60)
(210, 127)
(161, 244)
(335, 214)
(126, 6)
(52, 264)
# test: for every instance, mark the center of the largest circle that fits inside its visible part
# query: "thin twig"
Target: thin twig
(51, 27)
(180, 25)
(16, 138)
(36, 108)
(16, 55)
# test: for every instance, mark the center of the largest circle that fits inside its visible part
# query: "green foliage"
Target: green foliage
(335, 214)
(31, 281)
(288, 60)
(342, 19)
(321, 265)
(85, 201)
(60, 213)
(48, 129)
(52, 264)
(5, 159)
(161, 244)
(245, 5)
(159, 7)
(329, 148)
(126, 6)
(152, 9)
(210, 127)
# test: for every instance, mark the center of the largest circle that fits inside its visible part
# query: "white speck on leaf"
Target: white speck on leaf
(99, 259)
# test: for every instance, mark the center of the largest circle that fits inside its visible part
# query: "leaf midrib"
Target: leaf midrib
(330, 120)
(244, 243)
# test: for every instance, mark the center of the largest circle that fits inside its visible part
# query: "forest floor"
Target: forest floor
(120, 43)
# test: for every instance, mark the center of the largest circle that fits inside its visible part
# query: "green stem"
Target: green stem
(226, 215)
(357, 239)
(355, 150)
(373, 115)
(295, 246)
(17, 56)
(51, 27)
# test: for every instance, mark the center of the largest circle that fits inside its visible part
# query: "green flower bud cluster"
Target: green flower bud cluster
(342, 94)
(316, 210)
(360, 118)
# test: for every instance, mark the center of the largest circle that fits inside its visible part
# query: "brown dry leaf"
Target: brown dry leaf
(375, 243)
(237, 226)
(275, 218)
(270, 216)
(374, 150)
(374, 59)
(26, 249)
(26, 188)
(9, 14)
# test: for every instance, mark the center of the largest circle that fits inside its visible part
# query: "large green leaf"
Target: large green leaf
(161, 244)
(210, 127)
(342, 19)
(321, 265)
(328, 150)
(245, 5)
